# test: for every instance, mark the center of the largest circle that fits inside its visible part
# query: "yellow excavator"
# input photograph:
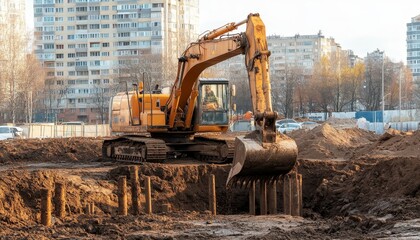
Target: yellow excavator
(193, 118)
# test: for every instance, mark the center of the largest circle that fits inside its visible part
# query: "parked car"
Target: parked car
(286, 120)
(288, 127)
(283, 121)
(10, 132)
(309, 125)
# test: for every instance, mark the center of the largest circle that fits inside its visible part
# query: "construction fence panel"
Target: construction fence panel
(37, 130)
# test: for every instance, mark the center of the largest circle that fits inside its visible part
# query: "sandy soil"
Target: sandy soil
(356, 185)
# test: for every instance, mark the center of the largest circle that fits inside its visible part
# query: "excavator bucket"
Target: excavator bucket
(254, 160)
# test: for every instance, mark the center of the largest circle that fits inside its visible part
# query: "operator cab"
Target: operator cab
(213, 100)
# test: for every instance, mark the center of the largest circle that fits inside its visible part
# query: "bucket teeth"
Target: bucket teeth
(246, 182)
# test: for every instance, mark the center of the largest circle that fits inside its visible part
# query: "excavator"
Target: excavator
(193, 118)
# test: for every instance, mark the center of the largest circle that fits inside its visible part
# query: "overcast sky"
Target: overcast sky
(359, 25)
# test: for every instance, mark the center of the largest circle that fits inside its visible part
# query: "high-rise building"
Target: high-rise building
(301, 51)
(413, 48)
(89, 46)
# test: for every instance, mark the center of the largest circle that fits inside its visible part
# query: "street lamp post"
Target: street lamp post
(383, 89)
(399, 107)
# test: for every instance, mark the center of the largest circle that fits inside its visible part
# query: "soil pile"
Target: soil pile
(378, 188)
(327, 142)
(50, 150)
(393, 143)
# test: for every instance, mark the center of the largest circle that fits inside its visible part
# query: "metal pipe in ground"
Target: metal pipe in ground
(148, 195)
(300, 195)
(122, 196)
(135, 189)
(295, 206)
(263, 198)
(212, 194)
(92, 208)
(272, 197)
(252, 199)
(60, 200)
(286, 195)
(46, 207)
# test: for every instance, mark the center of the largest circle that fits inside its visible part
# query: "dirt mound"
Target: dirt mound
(327, 142)
(50, 150)
(380, 188)
(393, 143)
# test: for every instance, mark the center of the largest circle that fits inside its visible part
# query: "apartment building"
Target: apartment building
(301, 51)
(90, 47)
(413, 48)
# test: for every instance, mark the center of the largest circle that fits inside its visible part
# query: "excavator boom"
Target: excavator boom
(263, 154)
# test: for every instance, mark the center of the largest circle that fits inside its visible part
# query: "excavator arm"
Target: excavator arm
(262, 154)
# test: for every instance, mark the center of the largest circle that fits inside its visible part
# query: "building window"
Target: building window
(81, 54)
(59, 46)
(81, 27)
(94, 26)
(82, 73)
(59, 55)
(95, 54)
(95, 44)
(49, 46)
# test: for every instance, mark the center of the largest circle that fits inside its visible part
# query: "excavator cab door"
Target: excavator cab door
(213, 102)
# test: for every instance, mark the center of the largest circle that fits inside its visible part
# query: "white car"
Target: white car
(8, 132)
(288, 127)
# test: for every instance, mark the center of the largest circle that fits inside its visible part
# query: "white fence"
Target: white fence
(47, 130)
(378, 127)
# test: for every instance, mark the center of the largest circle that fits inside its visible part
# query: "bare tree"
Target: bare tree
(20, 74)
(323, 85)
(32, 84)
